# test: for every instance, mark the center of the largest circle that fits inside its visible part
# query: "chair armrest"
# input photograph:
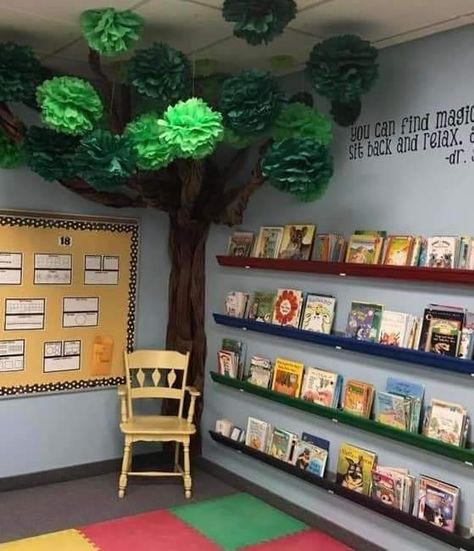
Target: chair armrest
(194, 393)
(122, 392)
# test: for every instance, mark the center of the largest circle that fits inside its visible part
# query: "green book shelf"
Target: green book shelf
(464, 455)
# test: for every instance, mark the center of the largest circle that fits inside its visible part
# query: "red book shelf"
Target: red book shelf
(345, 269)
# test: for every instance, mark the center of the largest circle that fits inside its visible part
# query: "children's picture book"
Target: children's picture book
(438, 503)
(309, 456)
(236, 304)
(415, 392)
(228, 364)
(262, 306)
(297, 241)
(258, 434)
(354, 468)
(321, 387)
(287, 308)
(358, 398)
(441, 251)
(282, 444)
(364, 249)
(393, 328)
(260, 371)
(391, 410)
(436, 316)
(240, 244)
(364, 321)
(268, 242)
(224, 427)
(398, 250)
(446, 422)
(287, 377)
(237, 349)
(318, 313)
(384, 489)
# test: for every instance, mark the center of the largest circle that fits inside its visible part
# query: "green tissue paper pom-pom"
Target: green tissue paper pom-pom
(109, 31)
(192, 128)
(161, 72)
(297, 120)
(250, 102)
(299, 166)
(151, 151)
(49, 153)
(69, 104)
(241, 142)
(343, 68)
(20, 72)
(104, 160)
(10, 153)
(259, 21)
(346, 113)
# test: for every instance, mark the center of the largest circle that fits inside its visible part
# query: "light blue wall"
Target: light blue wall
(46, 432)
(418, 194)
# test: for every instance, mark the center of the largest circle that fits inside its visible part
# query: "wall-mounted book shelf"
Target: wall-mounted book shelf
(465, 455)
(445, 363)
(457, 540)
(346, 269)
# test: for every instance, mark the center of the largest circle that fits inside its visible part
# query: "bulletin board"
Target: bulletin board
(67, 301)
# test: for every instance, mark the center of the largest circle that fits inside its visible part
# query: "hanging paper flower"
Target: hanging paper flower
(259, 21)
(346, 113)
(20, 72)
(109, 31)
(69, 104)
(151, 151)
(104, 160)
(343, 68)
(250, 102)
(287, 307)
(299, 166)
(10, 152)
(161, 72)
(240, 142)
(49, 153)
(192, 128)
(296, 120)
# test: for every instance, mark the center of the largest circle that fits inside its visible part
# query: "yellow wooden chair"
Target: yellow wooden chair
(156, 374)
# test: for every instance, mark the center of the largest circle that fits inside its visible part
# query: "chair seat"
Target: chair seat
(157, 424)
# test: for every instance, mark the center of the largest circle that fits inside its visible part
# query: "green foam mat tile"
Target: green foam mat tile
(238, 520)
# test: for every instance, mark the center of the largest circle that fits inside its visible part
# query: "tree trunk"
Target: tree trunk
(186, 308)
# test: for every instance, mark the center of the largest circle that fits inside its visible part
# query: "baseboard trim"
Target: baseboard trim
(63, 474)
(352, 540)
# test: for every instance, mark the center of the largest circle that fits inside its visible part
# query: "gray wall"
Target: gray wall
(416, 193)
(46, 432)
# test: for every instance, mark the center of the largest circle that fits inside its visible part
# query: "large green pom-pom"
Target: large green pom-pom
(49, 153)
(300, 121)
(151, 151)
(104, 160)
(259, 21)
(69, 104)
(299, 166)
(192, 128)
(250, 102)
(10, 153)
(109, 31)
(20, 72)
(161, 72)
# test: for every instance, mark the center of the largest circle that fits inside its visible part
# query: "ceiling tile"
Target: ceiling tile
(377, 20)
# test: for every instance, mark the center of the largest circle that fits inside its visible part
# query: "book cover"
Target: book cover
(228, 363)
(364, 321)
(235, 304)
(297, 241)
(320, 387)
(281, 444)
(433, 315)
(363, 249)
(321, 250)
(354, 468)
(358, 398)
(384, 489)
(260, 372)
(316, 441)
(257, 434)
(398, 250)
(310, 458)
(287, 377)
(318, 313)
(393, 328)
(390, 410)
(444, 344)
(287, 308)
(262, 306)
(441, 251)
(446, 422)
(268, 242)
(437, 503)
(240, 244)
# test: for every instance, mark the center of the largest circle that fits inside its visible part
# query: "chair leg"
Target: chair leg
(187, 472)
(176, 456)
(125, 467)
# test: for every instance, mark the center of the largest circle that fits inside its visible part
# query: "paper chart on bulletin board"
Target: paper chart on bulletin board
(67, 301)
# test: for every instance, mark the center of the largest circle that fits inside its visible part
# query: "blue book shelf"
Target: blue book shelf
(444, 363)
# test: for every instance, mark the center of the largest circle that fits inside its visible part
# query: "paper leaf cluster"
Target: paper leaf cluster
(10, 152)
(297, 120)
(20, 72)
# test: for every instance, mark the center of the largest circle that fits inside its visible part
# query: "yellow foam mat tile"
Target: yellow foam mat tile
(67, 540)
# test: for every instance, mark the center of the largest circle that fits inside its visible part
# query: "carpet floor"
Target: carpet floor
(237, 521)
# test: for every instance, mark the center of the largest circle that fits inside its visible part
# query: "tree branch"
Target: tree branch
(108, 199)
(190, 173)
(11, 125)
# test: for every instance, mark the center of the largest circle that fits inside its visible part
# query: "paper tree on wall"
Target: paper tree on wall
(150, 139)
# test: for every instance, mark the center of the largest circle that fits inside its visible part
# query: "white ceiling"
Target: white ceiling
(197, 27)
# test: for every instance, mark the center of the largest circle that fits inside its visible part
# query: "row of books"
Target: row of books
(443, 329)
(399, 404)
(427, 498)
(301, 242)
